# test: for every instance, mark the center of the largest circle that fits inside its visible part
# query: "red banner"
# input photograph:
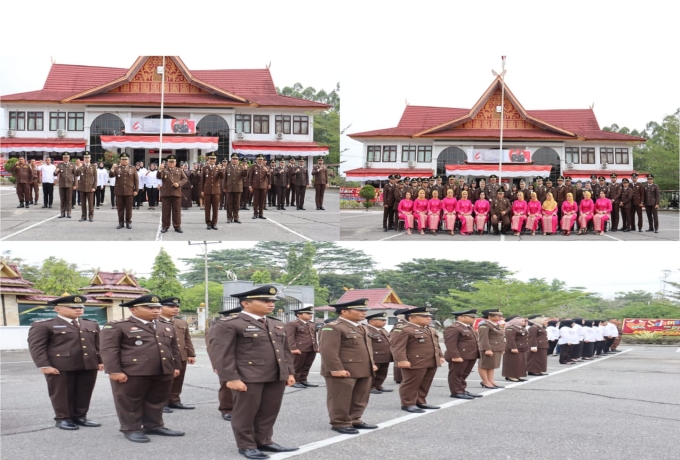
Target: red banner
(352, 194)
(663, 326)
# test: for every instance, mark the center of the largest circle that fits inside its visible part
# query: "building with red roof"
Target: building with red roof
(466, 142)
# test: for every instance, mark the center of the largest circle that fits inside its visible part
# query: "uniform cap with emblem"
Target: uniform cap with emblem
(301, 159)
(613, 175)
(625, 180)
(233, 311)
(397, 176)
(650, 176)
(418, 311)
(66, 155)
(471, 312)
(382, 316)
(511, 318)
(170, 302)
(224, 160)
(593, 176)
(172, 158)
(358, 304)
(560, 178)
(266, 292)
(234, 155)
(260, 157)
(149, 301)
(452, 178)
(211, 155)
(493, 176)
(548, 181)
(86, 154)
(414, 180)
(124, 156)
(303, 310)
(600, 178)
(568, 178)
(71, 301)
(487, 313)
(634, 175)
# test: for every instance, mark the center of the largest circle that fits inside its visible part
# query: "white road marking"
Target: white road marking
(502, 237)
(290, 230)
(159, 235)
(29, 227)
(344, 437)
(360, 215)
(609, 236)
(678, 350)
(393, 236)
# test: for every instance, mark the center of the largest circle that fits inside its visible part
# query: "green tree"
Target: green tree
(655, 309)
(164, 276)
(337, 282)
(261, 277)
(57, 277)
(328, 258)
(301, 272)
(367, 192)
(243, 262)
(195, 295)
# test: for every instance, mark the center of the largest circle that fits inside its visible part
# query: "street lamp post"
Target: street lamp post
(500, 158)
(206, 308)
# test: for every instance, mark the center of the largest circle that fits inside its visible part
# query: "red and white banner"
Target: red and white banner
(663, 326)
(496, 156)
(153, 142)
(373, 174)
(19, 145)
(352, 194)
(508, 171)
(282, 148)
(154, 125)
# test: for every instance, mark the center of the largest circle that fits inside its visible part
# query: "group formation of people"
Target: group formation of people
(583, 339)
(432, 206)
(233, 186)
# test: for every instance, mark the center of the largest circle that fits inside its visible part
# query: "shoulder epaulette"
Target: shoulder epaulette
(41, 320)
(88, 319)
(124, 320)
(228, 318)
(161, 320)
(276, 319)
(332, 323)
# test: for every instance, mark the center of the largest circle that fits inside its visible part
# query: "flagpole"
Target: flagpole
(160, 150)
(500, 156)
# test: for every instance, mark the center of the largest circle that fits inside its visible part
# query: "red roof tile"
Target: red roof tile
(41, 140)
(495, 134)
(155, 99)
(18, 290)
(423, 117)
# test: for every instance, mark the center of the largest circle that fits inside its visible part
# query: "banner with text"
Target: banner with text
(663, 326)
(494, 156)
(352, 194)
(153, 126)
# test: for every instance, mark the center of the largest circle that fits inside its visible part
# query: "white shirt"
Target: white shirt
(578, 329)
(112, 181)
(47, 173)
(68, 320)
(144, 321)
(351, 322)
(141, 174)
(151, 181)
(553, 333)
(568, 335)
(590, 334)
(598, 333)
(612, 330)
(252, 316)
(102, 177)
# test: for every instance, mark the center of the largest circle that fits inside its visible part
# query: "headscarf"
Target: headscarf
(540, 320)
(520, 193)
(552, 323)
(515, 321)
(463, 194)
(588, 323)
(566, 323)
(578, 321)
(549, 204)
(570, 198)
(596, 322)
(534, 197)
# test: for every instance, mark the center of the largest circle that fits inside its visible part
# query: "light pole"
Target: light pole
(500, 158)
(160, 123)
(666, 274)
(205, 307)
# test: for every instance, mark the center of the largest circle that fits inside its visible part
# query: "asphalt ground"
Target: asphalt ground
(623, 406)
(37, 224)
(367, 226)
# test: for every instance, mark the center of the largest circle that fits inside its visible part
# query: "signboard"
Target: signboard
(663, 326)
(153, 126)
(32, 312)
(494, 156)
(352, 194)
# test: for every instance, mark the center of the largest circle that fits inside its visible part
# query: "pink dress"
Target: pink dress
(464, 209)
(533, 215)
(434, 209)
(406, 213)
(420, 213)
(603, 210)
(549, 220)
(481, 209)
(586, 209)
(449, 208)
(519, 215)
(568, 215)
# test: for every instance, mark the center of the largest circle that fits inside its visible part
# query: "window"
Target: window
(35, 121)
(57, 120)
(300, 124)
(261, 124)
(242, 123)
(17, 121)
(76, 121)
(389, 153)
(373, 153)
(283, 124)
(588, 155)
(622, 155)
(606, 155)
(216, 126)
(408, 153)
(106, 124)
(571, 154)
(424, 153)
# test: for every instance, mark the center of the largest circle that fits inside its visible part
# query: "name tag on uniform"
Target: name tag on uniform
(58, 326)
(252, 328)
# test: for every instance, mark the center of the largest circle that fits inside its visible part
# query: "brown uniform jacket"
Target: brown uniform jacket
(87, 177)
(399, 194)
(380, 340)
(652, 195)
(168, 178)
(233, 178)
(211, 180)
(302, 336)
(320, 175)
(23, 174)
(541, 192)
(281, 178)
(242, 348)
(388, 195)
(184, 343)
(461, 342)
(300, 178)
(491, 337)
(498, 206)
(345, 347)
(67, 174)
(127, 180)
(415, 344)
(615, 191)
(538, 337)
(627, 197)
(55, 343)
(490, 190)
(138, 349)
(259, 176)
(638, 193)
(516, 338)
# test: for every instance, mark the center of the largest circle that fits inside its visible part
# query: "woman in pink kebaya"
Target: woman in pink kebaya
(569, 209)
(420, 211)
(406, 212)
(533, 213)
(464, 210)
(586, 209)
(481, 208)
(434, 209)
(519, 214)
(549, 219)
(603, 211)
(449, 207)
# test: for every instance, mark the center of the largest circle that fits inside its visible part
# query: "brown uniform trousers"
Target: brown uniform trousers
(224, 396)
(652, 200)
(515, 364)
(290, 194)
(87, 180)
(497, 207)
(282, 183)
(74, 351)
(320, 174)
(186, 350)
(461, 342)
(615, 196)
(419, 346)
(344, 346)
(149, 367)
(233, 184)
(172, 196)
(302, 336)
(24, 178)
(537, 362)
(382, 355)
(638, 204)
(257, 353)
(66, 180)
(35, 185)
(259, 178)
(301, 180)
(127, 184)
(211, 191)
(246, 196)
(627, 207)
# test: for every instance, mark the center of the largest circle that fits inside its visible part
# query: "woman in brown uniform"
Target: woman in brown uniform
(491, 346)
(516, 346)
(537, 358)
(187, 188)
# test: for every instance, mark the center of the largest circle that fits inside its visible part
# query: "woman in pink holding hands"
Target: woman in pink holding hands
(603, 211)
(549, 221)
(464, 209)
(586, 209)
(569, 209)
(405, 210)
(434, 209)
(519, 214)
(481, 208)
(420, 211)
(449, 205)
(533, 213)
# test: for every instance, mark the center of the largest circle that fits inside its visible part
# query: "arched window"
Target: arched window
(548, 156)
(215, 126)
(106, 124)
(450, 156)
(165, 117)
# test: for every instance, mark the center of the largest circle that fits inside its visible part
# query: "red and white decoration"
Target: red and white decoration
(282, 148)
(512, 170)
(366, 174)
(153, 142)
(154, 125)
(9, 145)
(493, 156)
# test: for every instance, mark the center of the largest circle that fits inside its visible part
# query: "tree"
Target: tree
(195, 295)
(243, 262)
(655, 309)
(328, 258)
(164, 280)
(337, 283)
(300, 271)
(367, 192)
(57, 277)
(261, 277)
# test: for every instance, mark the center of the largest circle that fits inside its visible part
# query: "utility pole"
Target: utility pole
(204, 311)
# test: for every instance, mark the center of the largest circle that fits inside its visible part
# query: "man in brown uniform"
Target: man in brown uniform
(320, 173)
(66, 175)
(388, 204)
(638, 202)
(250, 352)
(66, 349)
(615, 195)
(290, 194)
(540, 189)
(211, 190)
(172, 179)
(500, 212)
(224, 395)
(259, 181)
(382, 355)
(246, 196)
(142, 358)
(626, 205)
(169, 312)
(301, 334)
(347, 365)
(126, 188)
(537, 358)
(416, 351)
(461, 352)
(492, 187)
(301, 181)
(652, 200)
(35, 186)
(86, 176)
(450, 185)
(282, 182)
(234, 176)
(23, 175)
(223, 196)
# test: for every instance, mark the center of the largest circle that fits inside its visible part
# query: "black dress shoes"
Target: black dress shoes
(376, 392)
(163, 230)
(136, 436)
(82, 219)
(167, 410)
(533, 373)
(364, 426)
(461, 396)
(164, 432)
(179, 230)
(273, 447)
(208, 227)
(427, 406)
(261, 217)
(62, 216)
(128, 226)
(254, 217)
(236, 221)
(385, 390)
(214, 227)
(413, 409)
(66, 425)
(322, 208)
(44, 206)
(179, 406)
(227, 417)
(91, 220)
(473, 394)
(298, 385)
(310, 385)
(252, 453)
(120, 224)
(345, 430)
(85, 422)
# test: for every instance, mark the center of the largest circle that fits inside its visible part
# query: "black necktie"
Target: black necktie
(75, 323)
(264, 322)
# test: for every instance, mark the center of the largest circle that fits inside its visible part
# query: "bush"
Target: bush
(367, 192)
(652, 338)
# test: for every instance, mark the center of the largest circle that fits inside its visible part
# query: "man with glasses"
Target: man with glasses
(462, 352)
(66, 349)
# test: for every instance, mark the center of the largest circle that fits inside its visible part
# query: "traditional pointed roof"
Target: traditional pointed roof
(114, 284)
(11, 281)
(378, 299)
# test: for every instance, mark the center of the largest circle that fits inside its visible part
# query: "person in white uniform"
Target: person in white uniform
(553, 336)
(102, 181)
(568, 338)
